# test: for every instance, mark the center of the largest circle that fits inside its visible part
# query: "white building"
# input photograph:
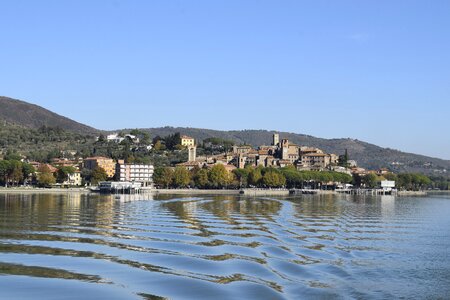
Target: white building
(73, 179)
(114, 138)
(118, 139)
(135, 173)
(387, 185)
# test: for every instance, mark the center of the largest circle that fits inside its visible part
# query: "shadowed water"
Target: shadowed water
(223, 247)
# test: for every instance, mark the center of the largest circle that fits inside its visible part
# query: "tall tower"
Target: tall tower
(192, 153)
(284, 149)
(241, 161)
(276, 139)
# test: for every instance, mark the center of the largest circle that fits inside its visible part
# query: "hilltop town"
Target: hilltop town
(179, 161)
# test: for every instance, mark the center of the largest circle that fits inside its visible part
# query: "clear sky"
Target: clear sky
(378, 71)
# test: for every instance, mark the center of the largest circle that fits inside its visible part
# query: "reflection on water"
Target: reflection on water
(227, 247)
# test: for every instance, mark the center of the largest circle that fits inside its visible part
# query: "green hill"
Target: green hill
(33, 116)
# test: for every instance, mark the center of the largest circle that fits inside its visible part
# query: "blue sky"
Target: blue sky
(378, 71)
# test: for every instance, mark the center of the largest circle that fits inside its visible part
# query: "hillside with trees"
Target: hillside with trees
(33, 116)
(367, 155)
(32, 129)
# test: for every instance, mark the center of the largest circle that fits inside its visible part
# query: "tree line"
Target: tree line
(288, 177)
(218, 177)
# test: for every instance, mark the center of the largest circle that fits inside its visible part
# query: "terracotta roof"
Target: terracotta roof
(285, 161)
(189, 163)
(315, 154)
(97, 157)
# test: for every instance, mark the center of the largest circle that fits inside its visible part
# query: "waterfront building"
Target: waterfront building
(142, 173)
(73, 179)
(105, 163)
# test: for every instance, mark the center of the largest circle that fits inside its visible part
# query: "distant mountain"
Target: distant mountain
(367, 155)
(33, 116)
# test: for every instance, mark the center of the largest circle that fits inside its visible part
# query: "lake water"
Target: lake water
(224, 247)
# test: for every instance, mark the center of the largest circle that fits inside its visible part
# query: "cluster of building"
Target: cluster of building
(280, 153)
(120, 171)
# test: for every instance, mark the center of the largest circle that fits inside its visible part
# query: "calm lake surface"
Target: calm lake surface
(224, 247)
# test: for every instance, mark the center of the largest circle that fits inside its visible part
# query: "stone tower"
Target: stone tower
(276, 139)
(284, 149)
(192, 153)
(241, 161)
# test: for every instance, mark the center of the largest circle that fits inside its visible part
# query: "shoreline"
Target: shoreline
(35, 190)
(247, 192)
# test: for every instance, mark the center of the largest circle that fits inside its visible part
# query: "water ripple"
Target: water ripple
(223, 247)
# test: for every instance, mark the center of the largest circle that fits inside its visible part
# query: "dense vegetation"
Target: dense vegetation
(218, 177)
(44, 143)
(13, 171)
(289, 177)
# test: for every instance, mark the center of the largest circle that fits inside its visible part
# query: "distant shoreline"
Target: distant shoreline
(247, 192)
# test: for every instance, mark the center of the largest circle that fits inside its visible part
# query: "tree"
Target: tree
(4, 171)
(370, 180)
(45, 176)
(86, 174)
(255, 176)
(64, 172)
(98, 174)
(293, 177)
(163, 176)
(218, 176)
(12, 155)
(343, 159)
(15, 171)
(391, 176)
(181, 177)
(27, 170)
(201, 178)
(272, 178)
(135, 132)
(159, 146)
(101, 139)
(145, 138)
(172, 140)
(242, 176)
